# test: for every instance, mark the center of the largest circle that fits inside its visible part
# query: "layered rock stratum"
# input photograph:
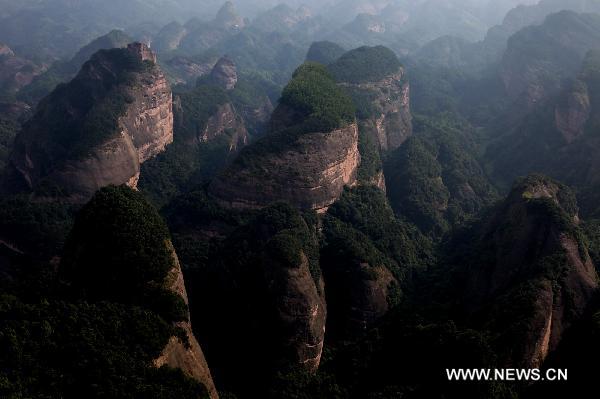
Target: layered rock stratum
(189, 358)
(392, 123)
(312, 176)
(307, 159)
(380, 92)
(534, 260)
(97, 129)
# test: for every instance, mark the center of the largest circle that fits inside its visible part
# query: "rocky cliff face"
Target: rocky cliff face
(16, 72)
(224, 74)
(297, 162)
(376, 81)
(557, 138)
(367, 257)
(537, 58)
(533, 261)
(272, 315)
(190, 359)
(169, 37)
(197, 35)
(187, 71)
(226, 121)
(310, 176)
(391, 123)
(572, 114)
(301, 312)
(358, 296)
(98, 129)
(64, 71)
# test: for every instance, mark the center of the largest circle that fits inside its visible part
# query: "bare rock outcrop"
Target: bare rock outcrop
(97, 129)
(572, 114)
(309, 156)
(224, 73)
(358, 296)
(187, 71)
(169, 37)
(226, 121)
(301, 312)
(377, 82)
(531, 76)
(392, 123)
(312, 175)
(189, 358)
(16, 72)
(536, 264)
(273, 313)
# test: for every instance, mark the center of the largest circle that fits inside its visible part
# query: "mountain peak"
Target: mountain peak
(113, 39)
(142, 52)
(97, 129)
(539, 187)
(228, 17)
(5, 50)
(224, 73)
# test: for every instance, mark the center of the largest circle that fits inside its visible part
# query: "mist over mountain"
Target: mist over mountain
(299, 199)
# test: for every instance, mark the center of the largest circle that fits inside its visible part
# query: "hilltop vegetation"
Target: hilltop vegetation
(98, 106)
(313, 93)
(324, 52)
(435, 180)
(310, 103)
(315, 270)
(93, 328)
(365, 64)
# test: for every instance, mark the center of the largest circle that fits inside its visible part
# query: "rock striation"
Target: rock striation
(301, 312)
(557, 139)
(189, 358)
(391, 123)
(573, 112)
(358, 296)
(533, 260)
(16, 72)
(97, 129)
(183, 70)
(381, 93)
(226, 121)
(272, 316)
(307, 159)
(311, 176)
(224, 74)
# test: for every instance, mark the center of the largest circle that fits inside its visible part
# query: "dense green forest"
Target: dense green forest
(354, 198)
(313, 93)
(92, 326)
(365, 64)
